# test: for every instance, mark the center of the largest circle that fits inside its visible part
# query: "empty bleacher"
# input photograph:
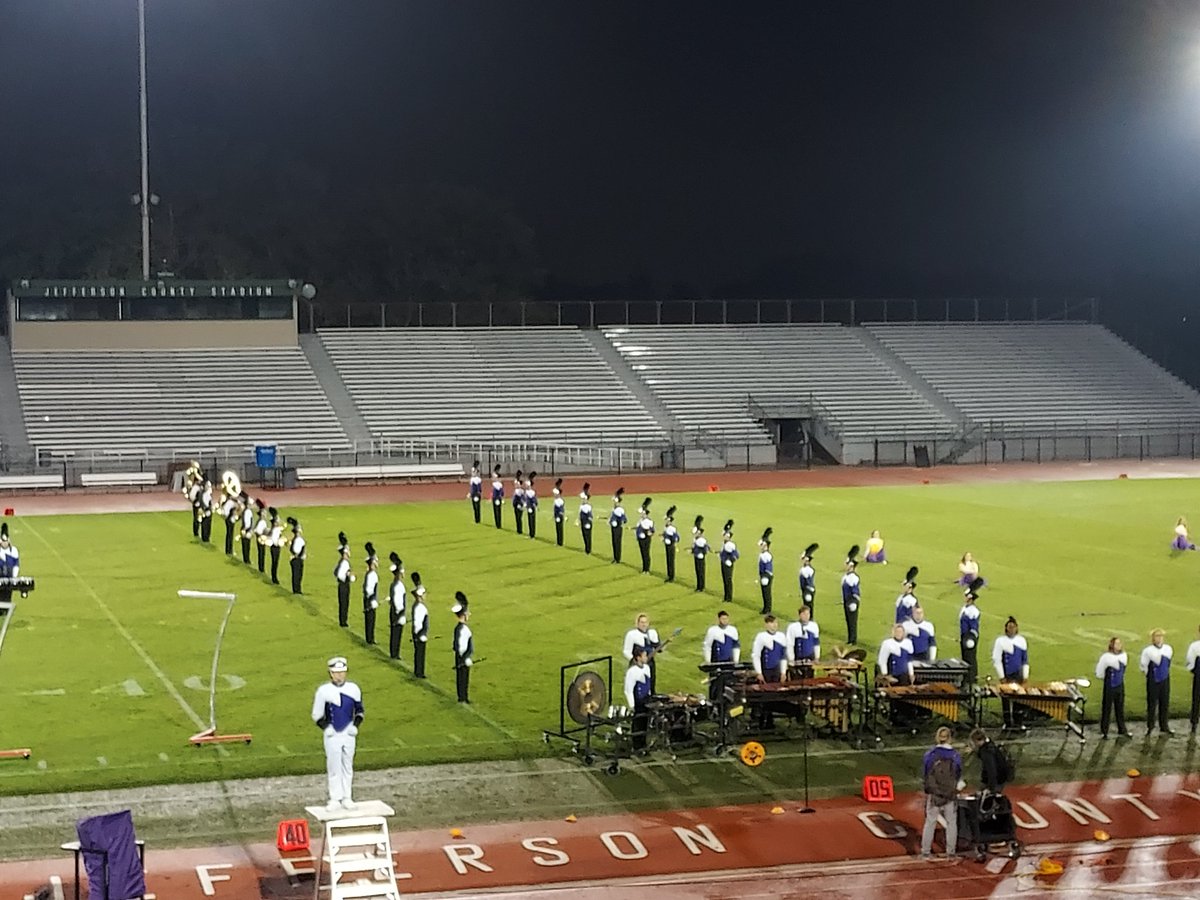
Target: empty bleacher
(1035, 378)
(705, 374)
(181, 401)
(487, 384)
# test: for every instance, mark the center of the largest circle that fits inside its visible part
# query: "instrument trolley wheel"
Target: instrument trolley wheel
(614, 768)
(1014, 849)
(545, 737)
(589, 758)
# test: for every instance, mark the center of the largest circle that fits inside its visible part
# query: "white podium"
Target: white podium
(356, 844)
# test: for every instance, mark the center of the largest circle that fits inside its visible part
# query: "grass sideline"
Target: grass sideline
(108, 667)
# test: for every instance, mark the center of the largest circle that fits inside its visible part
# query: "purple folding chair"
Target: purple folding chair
(112, 856)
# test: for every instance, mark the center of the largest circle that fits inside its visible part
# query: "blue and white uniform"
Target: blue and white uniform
(338, 711)
(1111, 668)
(1156, 663)
(808, 583)
(968, 638)
(904, 607)
(586, 517)
(769, 655)
(475, 492)
(722, 645)
(924, 641)
(803, 642)
(637, 686)
(1010, 656)
(895, 659)
(851, 600)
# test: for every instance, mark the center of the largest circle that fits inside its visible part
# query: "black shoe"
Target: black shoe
(1104, 737)
(1124, 734)
(1168, 732)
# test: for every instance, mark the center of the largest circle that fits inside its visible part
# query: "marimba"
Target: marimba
(829, 698)
(1057, 701)
(941, 698)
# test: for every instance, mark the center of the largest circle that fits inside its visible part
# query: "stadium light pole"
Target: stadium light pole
(145, 195)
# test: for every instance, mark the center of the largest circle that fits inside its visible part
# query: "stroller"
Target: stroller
(984, 820)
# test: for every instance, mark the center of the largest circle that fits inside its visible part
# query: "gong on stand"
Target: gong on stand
(583, 705)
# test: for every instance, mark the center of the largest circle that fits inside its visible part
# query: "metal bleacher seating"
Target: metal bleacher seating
(487, 384)
(1039, 376)
(173, 400)
(704, 374)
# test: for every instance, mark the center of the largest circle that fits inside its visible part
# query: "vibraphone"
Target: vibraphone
(944, 671)
(829, 698)
(1055, 701)
(941, 698)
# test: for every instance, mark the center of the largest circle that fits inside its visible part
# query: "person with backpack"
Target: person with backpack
(995, 763)
(943, 780)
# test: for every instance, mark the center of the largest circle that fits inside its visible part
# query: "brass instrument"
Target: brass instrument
(231, 484)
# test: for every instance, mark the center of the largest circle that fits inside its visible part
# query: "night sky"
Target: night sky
(697, 149)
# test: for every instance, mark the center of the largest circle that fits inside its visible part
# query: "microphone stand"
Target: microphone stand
(806, 809)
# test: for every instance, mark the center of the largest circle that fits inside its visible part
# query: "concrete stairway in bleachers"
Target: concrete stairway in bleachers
(327, 376)
(611, 355)
(15, 449)
(919, 384)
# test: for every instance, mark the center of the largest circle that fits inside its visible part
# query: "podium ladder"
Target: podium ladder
(359, 853)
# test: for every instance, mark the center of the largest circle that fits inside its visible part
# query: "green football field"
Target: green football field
(105, 670)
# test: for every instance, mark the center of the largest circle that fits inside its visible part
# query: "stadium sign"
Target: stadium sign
(171, 288)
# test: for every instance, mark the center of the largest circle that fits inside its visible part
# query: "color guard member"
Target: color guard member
(586, 516)
(875, 551)
(851, 595)
(766, 570)
(475, 490)
(397, 605)
(497, 494)
(518, 501)
(808, 578)
(670, 539)
(344, 578)
(420, 625)
(616, 523)
(464, 648)
(560, 512)
(644, 532)
(728, 556)
(297, 554)
(1156, 663)
(700, 551)
(1111, 668)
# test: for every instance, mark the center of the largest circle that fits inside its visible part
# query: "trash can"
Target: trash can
(290, 481)
(264, 456)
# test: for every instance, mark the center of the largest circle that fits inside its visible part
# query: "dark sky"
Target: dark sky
(781, 148)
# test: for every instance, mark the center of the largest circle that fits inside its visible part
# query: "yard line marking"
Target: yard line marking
(398, 742)
(454, 737)
(164, 757)
(101, 760)
(282, 749)
(52, 692)
(123, 631)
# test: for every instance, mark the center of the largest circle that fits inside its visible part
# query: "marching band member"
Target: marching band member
(700, 550)
(206, 511)
(1182, 541)
(721, 645)
(895, 657)
(851, 595)
(907, 599)
(1191, 661)
(803, 639)
(344, 578)
(275, 543)
(10, 565)
(642, 635)
(560, 512)
(921, 634)
(247, 525)
(875, 551)
(497, 494)
(464, 648)
(766, 570)
(968, 635)
(644, 532)
(531, 505)
(808, 578)
(338, 711)
(1111, 668)
(193, 486)
(1010, 656)
(420, 626)
(670, 539)
(475, 490)
(728, 556)
(1156, 663)
(518, 503)
(968, 569)
(585, 516)
(638, 690)
(616, 523)
(370, 593)
(297, 554)
(229, 512)
(262, 528)
(769, 656)
(396, 605)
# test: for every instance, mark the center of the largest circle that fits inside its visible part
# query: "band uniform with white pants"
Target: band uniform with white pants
(338, 711)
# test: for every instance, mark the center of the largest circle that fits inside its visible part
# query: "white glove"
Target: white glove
(374, 604)
(352, 730)
(1025, 673)
(353, 578)
(729, 562)
(853, 607)
(403, 620)
(329, 731)
(469, 662)
(764, 581)
(970, 643)
(808, 598)
(424, 639)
